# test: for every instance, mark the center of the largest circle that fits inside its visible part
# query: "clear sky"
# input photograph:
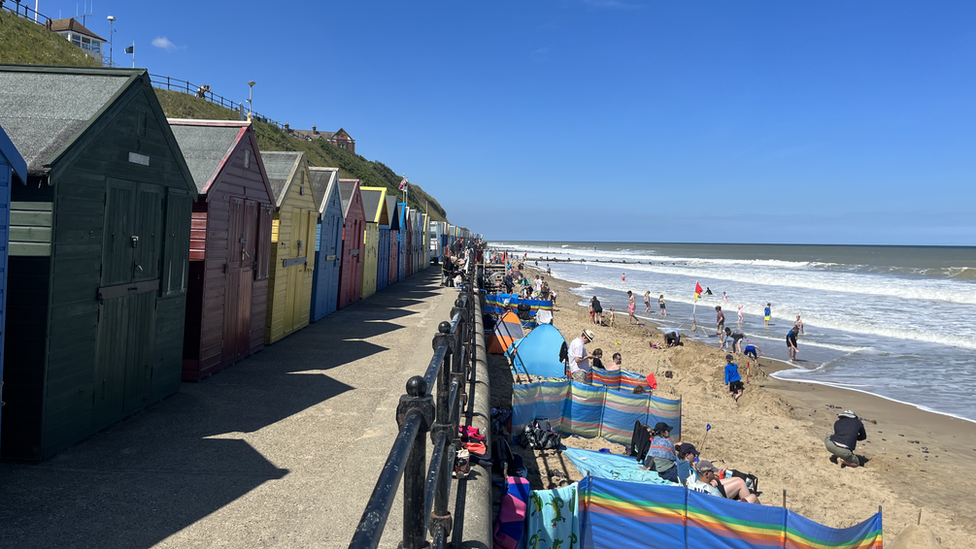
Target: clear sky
(680, 121)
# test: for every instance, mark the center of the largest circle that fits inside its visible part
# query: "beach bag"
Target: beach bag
(524, 311)
(510, 522)
(539, 435)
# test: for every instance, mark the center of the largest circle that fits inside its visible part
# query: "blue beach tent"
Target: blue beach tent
(12, 168)
(537, 354)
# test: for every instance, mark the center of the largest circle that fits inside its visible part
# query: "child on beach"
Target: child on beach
(725, 297)
(732, 378)
(719, 320)
(791, 343)
(597, 361)
(798, 325)
(631, 306)
(737, 338)
(647, 301)
(662, 305)
(754, 351)
(767, 312)
(740, 313)
(613, 318)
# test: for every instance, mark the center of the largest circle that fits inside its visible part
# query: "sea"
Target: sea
(898, 322)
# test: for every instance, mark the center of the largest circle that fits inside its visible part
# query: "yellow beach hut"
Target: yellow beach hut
(374, 198)
(292, 244)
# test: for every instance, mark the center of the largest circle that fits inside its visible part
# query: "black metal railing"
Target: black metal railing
(25, 11)
(426, 494)
(203, 91)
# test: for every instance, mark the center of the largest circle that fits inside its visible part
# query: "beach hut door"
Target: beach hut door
(242, 238)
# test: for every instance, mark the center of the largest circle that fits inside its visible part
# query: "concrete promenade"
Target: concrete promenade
(279, 450)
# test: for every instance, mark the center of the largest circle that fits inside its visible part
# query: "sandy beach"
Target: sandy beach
(919, 462)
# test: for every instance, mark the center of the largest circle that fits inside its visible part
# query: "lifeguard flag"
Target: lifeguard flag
(698, 290)
(403, 184)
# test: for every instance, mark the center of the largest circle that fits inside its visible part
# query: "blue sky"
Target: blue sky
(705, 121)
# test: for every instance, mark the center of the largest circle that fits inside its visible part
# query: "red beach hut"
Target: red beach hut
(228, 284)
(353, 233)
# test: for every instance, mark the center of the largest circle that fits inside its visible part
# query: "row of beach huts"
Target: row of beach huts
(139, 252)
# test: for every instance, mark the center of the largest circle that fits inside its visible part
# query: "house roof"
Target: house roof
(72, 24)
(373, 199)
(14, 160)
(394, 213)
(312, 135)
(47, 108)
(281, 167)
(206, 146)
(347, 188)
(325, 182)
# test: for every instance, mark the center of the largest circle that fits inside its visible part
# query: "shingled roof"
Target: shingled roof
(346, 189)
(391, 206)
(280, 166)
(205, 147)
(371, 202)
(324, 181)
(47, 108)
(72, 24)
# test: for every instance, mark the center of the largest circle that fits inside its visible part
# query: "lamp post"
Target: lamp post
(250, 97)
(111, 39)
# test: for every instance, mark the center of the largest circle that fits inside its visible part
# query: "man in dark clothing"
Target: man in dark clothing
(848, 429)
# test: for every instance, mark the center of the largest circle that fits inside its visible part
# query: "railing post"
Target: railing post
(417, 398)
(441, 517)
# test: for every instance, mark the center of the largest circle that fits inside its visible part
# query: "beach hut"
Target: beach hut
(418, 240)
(374, 198)
(393, 211)
(97, 273)
(411, 229)
(328, 242)
(354, 222)
(230, 244)
(403, 238)
(13, 171)
(383, 253)
(292, 244)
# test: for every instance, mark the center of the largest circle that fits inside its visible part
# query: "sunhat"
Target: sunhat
(847, 413)
(588, 334)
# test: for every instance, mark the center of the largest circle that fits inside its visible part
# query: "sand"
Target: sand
(919, 462)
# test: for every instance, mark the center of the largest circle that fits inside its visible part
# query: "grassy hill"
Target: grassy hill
(25, 42)
(319, 152)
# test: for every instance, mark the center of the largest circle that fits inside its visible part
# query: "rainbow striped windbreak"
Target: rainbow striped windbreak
(591, 410)
(622, 380)
(616, 514)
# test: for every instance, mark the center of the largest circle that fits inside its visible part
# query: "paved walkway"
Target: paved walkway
(279, 450)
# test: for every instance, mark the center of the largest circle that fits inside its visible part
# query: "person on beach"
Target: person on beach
(631, 306)
(509, 283)
(617, 362)
(848, 429)
(703, 479)
(579, 361)
(732, 378)
(791, 343)
(719, 321)
(798, 324)
(672, 338)
(613, 318)
(767, 312)
(740, 313)
(662, 305)
(548, 270)
(597, 311)
(752, 350)
(725, 297)
(661, 456)
(598, 359)
(647, 301)
(708, 291)
(737, 338)
(623, 277)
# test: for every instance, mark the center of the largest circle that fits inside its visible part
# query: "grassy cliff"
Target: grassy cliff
(319, 152)
(24, 42)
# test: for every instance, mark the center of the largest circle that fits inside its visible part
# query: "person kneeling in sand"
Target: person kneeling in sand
(732, 378)
(661, 456)
(672, 339)
(848, 429)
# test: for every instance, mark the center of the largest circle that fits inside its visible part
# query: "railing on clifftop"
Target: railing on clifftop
(185, 86)
(23, 10)
(426, 493)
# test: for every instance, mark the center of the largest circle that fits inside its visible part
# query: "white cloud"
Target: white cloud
(163, 42)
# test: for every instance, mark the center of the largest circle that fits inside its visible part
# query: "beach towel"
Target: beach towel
(552, 520)
(612, 466)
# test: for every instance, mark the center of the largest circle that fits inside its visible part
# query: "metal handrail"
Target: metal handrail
(187, 87)
(425, 493)
(16, 8)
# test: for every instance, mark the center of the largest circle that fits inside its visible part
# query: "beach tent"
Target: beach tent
(354, 221)
(292, 244)
(507, 330)
(537, 354)
(97, 268)
(230, 244)
(328, 242)
(13, 169)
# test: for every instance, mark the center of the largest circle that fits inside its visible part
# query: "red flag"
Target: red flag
(698, 290)
(403, 184)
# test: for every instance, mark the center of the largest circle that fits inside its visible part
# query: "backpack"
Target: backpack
(539, 435)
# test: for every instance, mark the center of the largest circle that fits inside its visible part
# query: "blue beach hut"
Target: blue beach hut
(12, 168)
(403, 235)
(383, 253)
(328, 241)
(393, 211)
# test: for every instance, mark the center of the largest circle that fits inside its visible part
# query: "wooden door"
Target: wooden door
(232, 281)
(248, 252)
(296, 282)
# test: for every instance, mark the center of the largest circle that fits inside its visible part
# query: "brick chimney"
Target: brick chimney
(315, 131)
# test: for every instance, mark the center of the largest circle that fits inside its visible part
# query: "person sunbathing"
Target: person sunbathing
(706, 480)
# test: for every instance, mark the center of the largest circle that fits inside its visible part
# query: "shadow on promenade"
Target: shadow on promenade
(163, 469)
